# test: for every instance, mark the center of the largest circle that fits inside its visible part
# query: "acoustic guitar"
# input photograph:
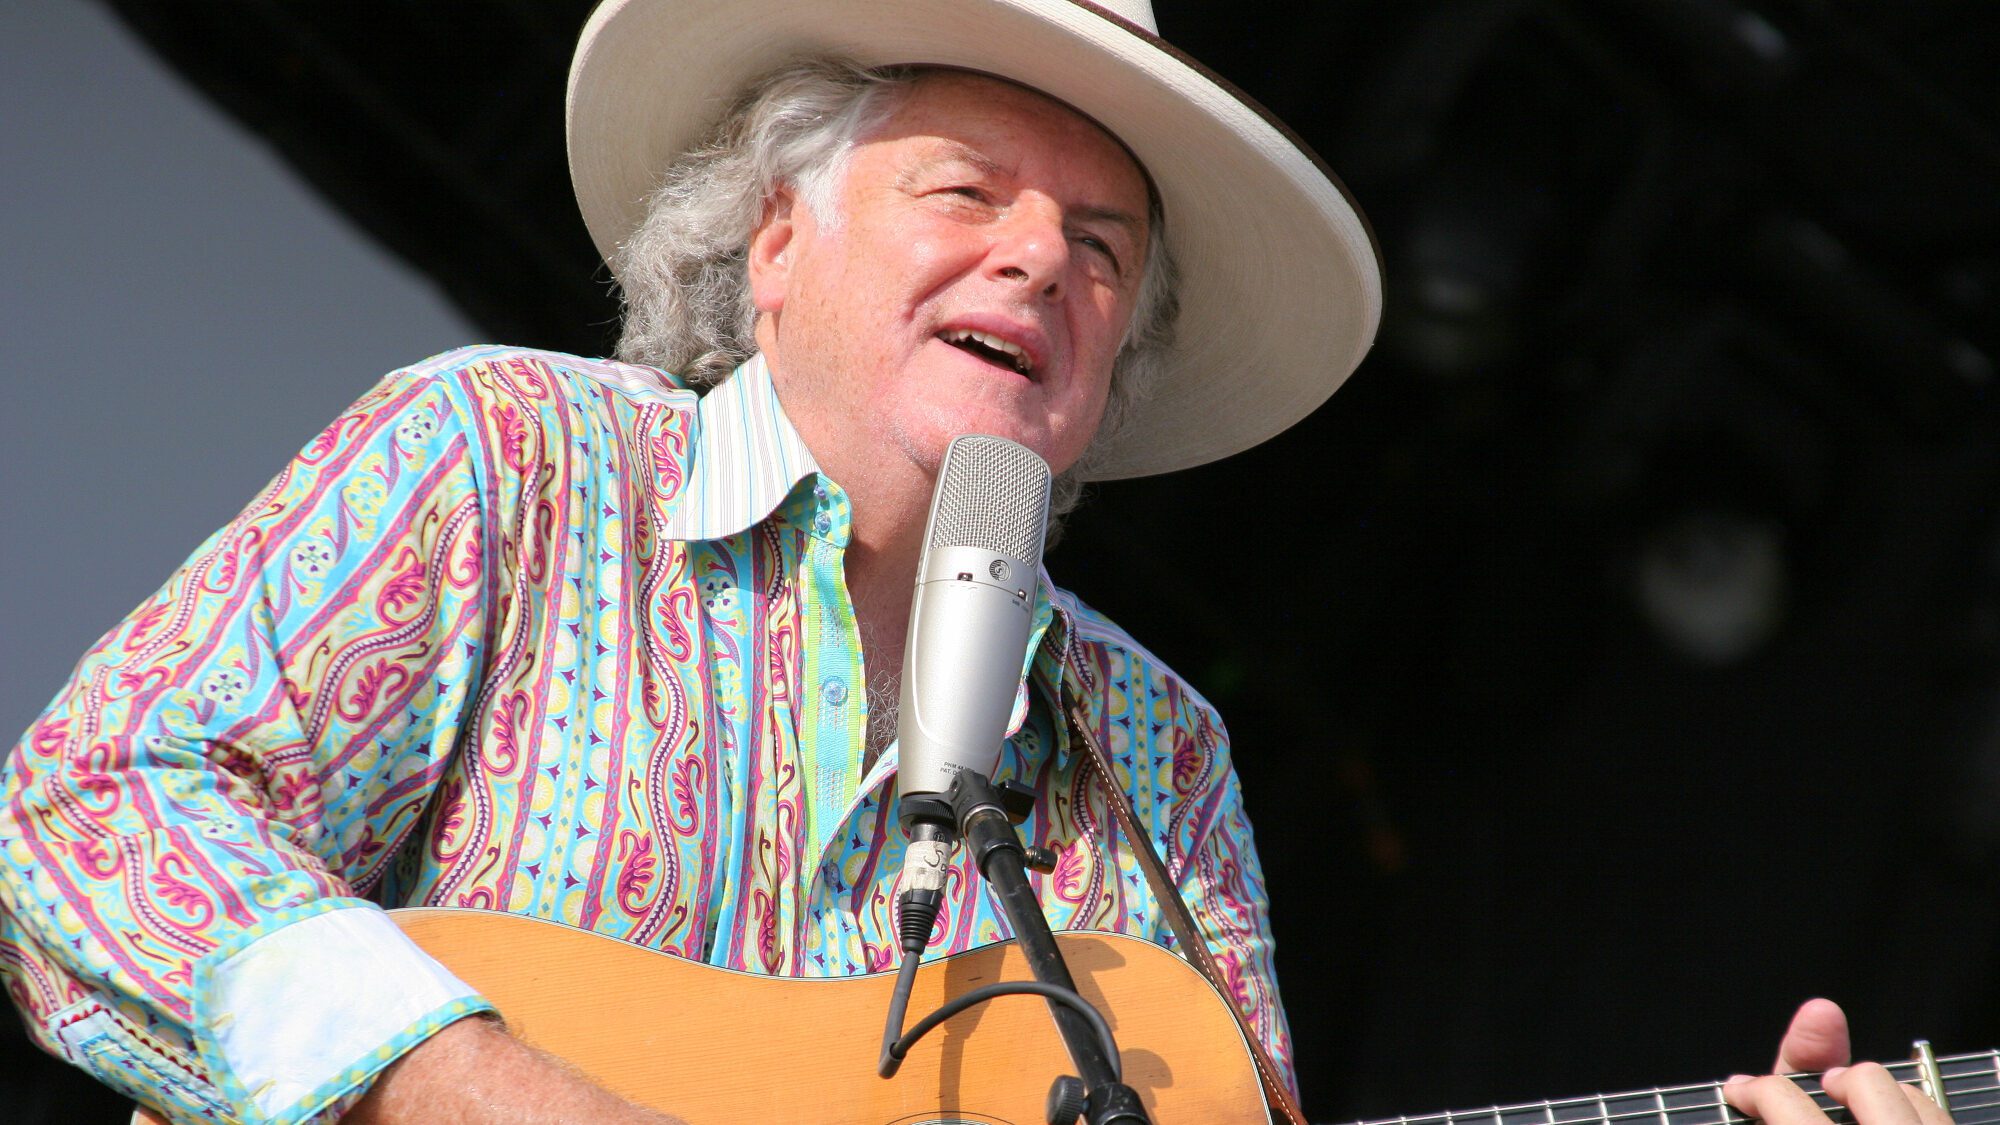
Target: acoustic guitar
(715, 1045)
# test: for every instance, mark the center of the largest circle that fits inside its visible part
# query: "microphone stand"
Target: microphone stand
(987, 815)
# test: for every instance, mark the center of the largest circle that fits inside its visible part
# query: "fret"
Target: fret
(1692, 1105)
(1928, 1079)
(1635, 1108)
(1575, 1111)
(1971, 1084)
(1724, 1112)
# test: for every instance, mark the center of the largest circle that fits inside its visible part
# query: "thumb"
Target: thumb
(1816, 1040)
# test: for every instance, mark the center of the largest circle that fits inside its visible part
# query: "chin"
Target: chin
(925, 443)
(1035, 438)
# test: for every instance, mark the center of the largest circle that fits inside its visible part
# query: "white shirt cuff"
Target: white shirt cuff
(301, 1006)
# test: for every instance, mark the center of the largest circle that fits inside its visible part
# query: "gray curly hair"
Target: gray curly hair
(684, 276)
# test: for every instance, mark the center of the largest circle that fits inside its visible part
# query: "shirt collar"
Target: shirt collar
(747, 457)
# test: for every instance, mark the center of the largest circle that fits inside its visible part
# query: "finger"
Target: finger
(1815, 1041)
(1928, 1111)
(1776, 1100)
(1872, 1093)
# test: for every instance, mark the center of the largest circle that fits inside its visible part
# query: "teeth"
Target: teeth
(1011, 351)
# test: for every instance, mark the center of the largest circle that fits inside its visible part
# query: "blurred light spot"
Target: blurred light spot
(1713, 584)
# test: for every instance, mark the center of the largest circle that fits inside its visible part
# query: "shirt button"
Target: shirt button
(834, 692)
(823, 522)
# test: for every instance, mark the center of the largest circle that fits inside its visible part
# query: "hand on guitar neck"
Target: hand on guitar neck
(474, 1072)
(1816, 1042)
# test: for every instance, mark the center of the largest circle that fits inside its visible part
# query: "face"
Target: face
(978, 278)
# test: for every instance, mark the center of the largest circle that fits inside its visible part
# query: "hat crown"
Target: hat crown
(1132, 11)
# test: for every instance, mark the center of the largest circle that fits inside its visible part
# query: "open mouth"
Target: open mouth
(990, 348)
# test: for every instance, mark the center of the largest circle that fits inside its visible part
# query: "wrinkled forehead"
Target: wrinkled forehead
(925, 75)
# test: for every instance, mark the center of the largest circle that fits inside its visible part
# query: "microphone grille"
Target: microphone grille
(993, 494)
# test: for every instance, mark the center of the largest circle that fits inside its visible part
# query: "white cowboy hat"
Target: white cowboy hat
(1281, 285)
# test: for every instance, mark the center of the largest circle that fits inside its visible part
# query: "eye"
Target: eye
(1104, 248)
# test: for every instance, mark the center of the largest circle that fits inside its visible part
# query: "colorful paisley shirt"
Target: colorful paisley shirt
(527, 632)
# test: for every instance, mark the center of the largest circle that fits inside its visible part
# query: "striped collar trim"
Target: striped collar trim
(746, 458)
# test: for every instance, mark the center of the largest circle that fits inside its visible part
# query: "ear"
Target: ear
(770, 259)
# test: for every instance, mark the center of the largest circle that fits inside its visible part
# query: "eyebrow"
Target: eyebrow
(950, 151)
(1130, 222)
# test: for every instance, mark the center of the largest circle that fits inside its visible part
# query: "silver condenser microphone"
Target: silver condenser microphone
(969, 619)
(969, 622)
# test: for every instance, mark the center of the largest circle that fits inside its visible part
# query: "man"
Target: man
(536, 633)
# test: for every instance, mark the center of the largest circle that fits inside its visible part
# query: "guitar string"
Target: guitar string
(1837, 1113)
(1902, 1071)
(1959, 1098)
(1975, 1066)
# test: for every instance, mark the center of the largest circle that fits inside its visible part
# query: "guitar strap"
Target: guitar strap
(1187, 933)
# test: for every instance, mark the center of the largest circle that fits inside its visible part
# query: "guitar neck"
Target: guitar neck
(1971, 1087)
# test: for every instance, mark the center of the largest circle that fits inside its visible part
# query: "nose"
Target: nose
(1031, 250)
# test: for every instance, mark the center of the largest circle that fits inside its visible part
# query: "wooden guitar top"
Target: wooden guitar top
(713, 1045)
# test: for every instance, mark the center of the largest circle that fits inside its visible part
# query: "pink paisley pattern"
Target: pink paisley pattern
(447, 658)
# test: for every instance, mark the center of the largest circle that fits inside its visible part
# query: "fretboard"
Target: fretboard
(1971, 1087)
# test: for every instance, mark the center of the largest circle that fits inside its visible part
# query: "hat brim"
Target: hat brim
(1281, 286)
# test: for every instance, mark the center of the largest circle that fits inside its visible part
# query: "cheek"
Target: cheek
(922, 249)
(1103, 333)
(1075, 436)
(1081, 404)
(1098, 395)
(1121, 307)
(892, 282)
(927, 257)
(1094, 392)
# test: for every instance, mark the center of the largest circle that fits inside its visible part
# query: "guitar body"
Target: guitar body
(713, 1045)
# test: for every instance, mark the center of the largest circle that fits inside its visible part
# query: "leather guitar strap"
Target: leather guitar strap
(1187, 933)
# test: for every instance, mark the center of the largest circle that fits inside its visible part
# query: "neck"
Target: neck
(889, 504)
(881, 585)
(886, 533)
(880, 564)
(888, 495)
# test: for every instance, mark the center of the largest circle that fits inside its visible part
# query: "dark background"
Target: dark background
(1612, 663)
